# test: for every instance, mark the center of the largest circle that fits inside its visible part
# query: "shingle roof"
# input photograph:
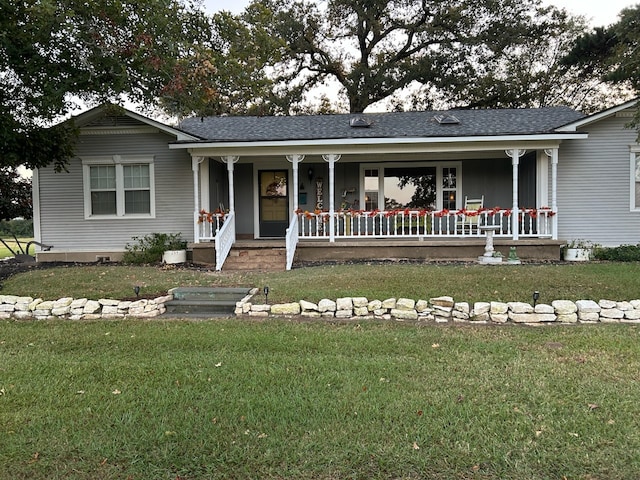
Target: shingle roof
(497, 122)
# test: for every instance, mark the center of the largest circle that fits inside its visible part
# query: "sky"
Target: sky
(598, 12)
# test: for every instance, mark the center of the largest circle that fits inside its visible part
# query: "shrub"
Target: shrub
(623, 253)
(149, 249)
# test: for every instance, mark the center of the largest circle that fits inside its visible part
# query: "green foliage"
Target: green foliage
(52, 51)
(623, 253)
(15, 195)
(149, 249)
(21, 228)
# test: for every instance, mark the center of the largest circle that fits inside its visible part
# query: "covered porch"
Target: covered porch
(324, 220)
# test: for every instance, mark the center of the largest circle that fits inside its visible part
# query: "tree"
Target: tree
(55, 54)
(613, 52)
(455, 52)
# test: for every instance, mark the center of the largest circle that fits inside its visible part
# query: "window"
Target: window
(118, 187)
(424, 185)
(635, 178)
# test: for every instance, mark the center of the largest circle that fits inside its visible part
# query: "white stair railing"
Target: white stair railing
(224, 239)
(291, 240)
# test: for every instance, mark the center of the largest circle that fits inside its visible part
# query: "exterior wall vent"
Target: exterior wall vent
(359, 121)
(446, 119)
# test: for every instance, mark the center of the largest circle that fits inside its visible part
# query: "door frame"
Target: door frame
(269, 166)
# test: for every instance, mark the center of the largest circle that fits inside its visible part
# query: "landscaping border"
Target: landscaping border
(437, 310)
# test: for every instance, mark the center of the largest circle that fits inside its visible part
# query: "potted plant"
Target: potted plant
(578, 250)
(175, 249)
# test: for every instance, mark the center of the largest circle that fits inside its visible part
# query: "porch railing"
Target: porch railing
(291, 240)
(407, 223)
(209, 224)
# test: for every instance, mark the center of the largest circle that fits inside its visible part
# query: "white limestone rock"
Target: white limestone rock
(567, 317)
(480, 308)
(326, 305)
(108, 301)
(443, 301)
(374, 305)
(587, 306)
(78, 303)
(589, 317)
(402, 314)
(91, 307)
(422, 306)
(632, 315)
(499, 317)
(611, 313)
(405, 304)
(607, 304)
(345, 303)
(499, 308)
(360, 311)
(10, 299)
(286, 309)
(462, 307)
(308, 306)
(389, 303)
(359, 302)
(564, 307)
(544, 308)
(259, 308)
(624, 306)
(520, 307)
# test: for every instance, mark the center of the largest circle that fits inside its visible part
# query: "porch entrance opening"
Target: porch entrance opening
(274, 202)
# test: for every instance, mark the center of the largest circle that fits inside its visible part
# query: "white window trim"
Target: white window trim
(439, 166)
(634, 156)
(118, 161)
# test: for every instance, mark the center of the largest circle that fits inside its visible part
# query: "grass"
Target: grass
(288, 400)
(5, 252)
(593, 280)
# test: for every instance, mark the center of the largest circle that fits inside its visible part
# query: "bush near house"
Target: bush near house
(623, 253)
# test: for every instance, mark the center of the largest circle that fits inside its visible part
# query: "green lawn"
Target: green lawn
(470, 282)
(316, 400)
(5, 252)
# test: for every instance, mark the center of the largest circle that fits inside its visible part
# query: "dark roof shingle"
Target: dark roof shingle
(497, 122)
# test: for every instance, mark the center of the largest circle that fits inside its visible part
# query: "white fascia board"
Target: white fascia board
(344, 145)
(596, 117)
(179, 134)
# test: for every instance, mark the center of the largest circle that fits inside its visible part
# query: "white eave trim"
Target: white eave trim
(342, 142)
(596, 117)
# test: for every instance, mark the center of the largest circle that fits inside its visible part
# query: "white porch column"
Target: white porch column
(331, 159)
(230, 160)
(195, 167)
(553, 156)
(515, 155)
(295, 160)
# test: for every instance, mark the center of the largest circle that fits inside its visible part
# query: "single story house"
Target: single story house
(372, 185)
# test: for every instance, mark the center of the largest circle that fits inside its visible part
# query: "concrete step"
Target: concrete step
(205, 301)
(243, 258)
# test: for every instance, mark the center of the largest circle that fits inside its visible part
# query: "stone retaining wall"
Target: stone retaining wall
(438, 310)
(12, 306)
(445, 309)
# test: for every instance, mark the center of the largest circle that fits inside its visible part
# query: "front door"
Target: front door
(274, 203)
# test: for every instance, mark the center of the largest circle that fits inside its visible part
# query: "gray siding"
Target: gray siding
(594, 186)
(63, 224)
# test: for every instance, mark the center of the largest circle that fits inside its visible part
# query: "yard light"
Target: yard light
(266, 294)
(536, 296)
(136, 289)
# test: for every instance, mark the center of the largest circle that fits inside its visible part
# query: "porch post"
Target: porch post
(230, 160)
(331, 159)
(553, 156)
(295, 160)
(515, 155)
(195, 167)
